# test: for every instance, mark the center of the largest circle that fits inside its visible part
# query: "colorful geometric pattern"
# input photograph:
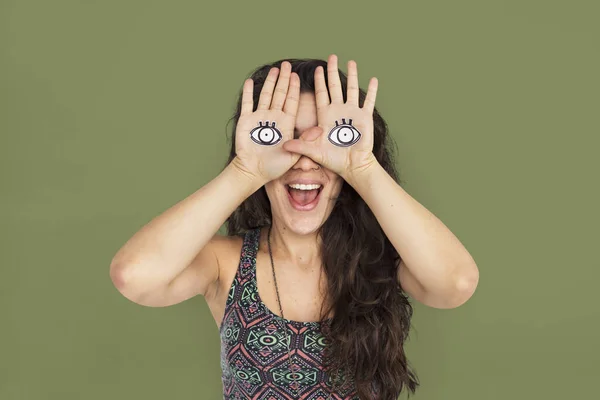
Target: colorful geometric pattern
(254, 357)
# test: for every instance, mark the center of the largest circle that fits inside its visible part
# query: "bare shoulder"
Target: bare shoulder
(227, 250)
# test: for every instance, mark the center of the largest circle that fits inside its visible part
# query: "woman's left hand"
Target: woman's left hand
(343, 140)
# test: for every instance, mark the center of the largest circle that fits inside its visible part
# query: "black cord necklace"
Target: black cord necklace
(292, 373)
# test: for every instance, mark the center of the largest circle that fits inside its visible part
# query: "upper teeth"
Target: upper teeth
(304, 187)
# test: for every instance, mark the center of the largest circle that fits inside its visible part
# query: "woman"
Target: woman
(308, 287)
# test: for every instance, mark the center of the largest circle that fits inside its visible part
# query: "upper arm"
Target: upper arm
(200, 277)
(410, 285)
(414, 289)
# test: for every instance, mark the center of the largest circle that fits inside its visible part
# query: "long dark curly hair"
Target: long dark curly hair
(372, 315)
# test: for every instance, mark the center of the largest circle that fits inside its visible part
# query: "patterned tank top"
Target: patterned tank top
(254, 357)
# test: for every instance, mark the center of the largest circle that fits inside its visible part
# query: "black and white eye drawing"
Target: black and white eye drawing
(265, 134)
(344, 135)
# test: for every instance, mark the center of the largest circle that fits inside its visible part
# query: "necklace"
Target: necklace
(287, 338)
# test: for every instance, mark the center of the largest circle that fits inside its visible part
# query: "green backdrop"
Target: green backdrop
(113, 111)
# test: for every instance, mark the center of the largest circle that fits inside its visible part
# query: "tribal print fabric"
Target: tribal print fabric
(254, 357)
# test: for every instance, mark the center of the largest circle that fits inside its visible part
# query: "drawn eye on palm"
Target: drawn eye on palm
(344, 134)
(347, 128)
(270, 130)
(266, 135)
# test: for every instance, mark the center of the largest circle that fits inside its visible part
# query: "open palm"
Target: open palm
(261, 134)
(345, 143)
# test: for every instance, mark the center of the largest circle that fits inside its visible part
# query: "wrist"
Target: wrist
(360, 173)
(241, 175)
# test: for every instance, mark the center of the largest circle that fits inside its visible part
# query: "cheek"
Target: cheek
(274, 189)
(338, 188)
(270, 190)
(337, 183)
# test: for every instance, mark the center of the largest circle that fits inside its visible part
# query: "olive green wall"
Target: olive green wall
(112, 111)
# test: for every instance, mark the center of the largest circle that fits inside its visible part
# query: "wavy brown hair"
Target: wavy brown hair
(372, 315)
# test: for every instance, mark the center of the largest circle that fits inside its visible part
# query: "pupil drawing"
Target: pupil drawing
(344, 135)
(266, 135)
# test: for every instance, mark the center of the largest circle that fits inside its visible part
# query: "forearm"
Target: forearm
(433, 254)
(169, 242)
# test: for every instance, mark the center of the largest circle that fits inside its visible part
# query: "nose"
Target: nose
(306, 164)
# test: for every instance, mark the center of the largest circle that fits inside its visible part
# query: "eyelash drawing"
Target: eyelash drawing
(346, 134)
(266, 135)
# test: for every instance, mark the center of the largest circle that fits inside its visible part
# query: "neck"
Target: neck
(300, 250)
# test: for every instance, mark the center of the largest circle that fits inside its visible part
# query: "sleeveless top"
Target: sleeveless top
(254, 356)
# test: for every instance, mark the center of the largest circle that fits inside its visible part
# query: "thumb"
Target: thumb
(311, 134)
(307, 145)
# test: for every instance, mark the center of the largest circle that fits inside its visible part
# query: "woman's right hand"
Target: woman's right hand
(258, 146)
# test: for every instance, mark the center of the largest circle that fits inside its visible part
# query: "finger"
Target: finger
(264, 101)
(282, 86)
(371, 94)
(306, 144)
(247, 100)
(311, 134)
(352, 87)
(293, 96)
(305, 148)
(321, 94)
(333, 78)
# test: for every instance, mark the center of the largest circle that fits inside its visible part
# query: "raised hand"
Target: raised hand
(344, 144)
(260, 134)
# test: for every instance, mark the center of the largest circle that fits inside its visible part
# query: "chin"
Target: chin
(301, 226)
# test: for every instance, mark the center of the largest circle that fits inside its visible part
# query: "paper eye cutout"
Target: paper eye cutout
(344, 135)
(266, 135)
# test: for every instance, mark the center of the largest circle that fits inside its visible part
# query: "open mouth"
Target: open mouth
(304, 197)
